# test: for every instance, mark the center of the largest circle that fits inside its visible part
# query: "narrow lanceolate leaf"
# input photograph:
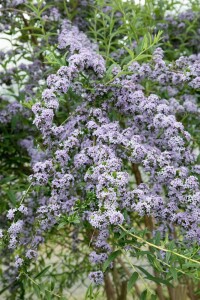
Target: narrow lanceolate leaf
(152, 278)
(61, 225)
(111, 257)
(42, 272)
(143, 295)
(174, 273)
(132, 281)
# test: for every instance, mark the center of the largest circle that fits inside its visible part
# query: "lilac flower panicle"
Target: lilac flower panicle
(96, 277)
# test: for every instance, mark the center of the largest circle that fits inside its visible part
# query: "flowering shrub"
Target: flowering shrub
(104, 182)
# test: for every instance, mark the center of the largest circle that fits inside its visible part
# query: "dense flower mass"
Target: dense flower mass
(90, 141)
(109, 145)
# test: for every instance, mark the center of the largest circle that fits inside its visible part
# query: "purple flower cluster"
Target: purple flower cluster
(96, 277)
(91, 147)
(173, 81)
(35, 154)
(93, 152)
(15, 3)
(184, 25)
(9, 111)
(52, 15)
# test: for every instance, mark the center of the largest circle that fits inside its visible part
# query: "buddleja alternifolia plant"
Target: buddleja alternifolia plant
(100, 150)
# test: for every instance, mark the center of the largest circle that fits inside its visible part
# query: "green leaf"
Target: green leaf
(89, 293)
(37, 291)
(132, 54)
(152, 278)
(42, 272)
(142, 56)
(132, 281)
(52, 286)
(11, 196)
(189, 265)
(73, 219)
(168, 255)
(143, 295)
(111, 257)
(61, 225)
(157, 238)
(174, 273)
(109, 74)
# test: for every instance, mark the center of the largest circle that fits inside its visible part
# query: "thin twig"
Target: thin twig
(159, 247)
